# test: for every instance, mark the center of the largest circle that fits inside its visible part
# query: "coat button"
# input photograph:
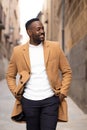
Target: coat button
(21, 82)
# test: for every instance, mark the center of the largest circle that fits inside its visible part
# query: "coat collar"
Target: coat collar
(26, 53)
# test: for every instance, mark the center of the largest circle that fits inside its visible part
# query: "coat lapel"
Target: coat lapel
(46, 52)
(26, 54)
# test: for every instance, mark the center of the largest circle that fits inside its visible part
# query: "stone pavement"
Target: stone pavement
(77, 119)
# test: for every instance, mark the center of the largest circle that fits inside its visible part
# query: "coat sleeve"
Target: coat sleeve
(65, 71)
(11, 73)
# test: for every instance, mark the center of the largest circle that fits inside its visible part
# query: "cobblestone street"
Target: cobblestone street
(77, 119)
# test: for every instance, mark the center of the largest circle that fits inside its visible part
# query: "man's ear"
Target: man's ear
(29, 32)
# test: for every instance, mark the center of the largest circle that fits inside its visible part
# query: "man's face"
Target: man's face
(37, 33)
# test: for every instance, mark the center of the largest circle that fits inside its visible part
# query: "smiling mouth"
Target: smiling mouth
(42, 36)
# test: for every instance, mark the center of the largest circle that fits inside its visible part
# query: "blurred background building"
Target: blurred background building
(9, 31)
(66, 21)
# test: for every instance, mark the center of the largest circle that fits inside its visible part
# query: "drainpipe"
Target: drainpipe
(63, 11)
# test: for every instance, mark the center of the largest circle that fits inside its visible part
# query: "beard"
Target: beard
(38, 39)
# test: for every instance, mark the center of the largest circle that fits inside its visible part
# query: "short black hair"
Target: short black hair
(28, 23)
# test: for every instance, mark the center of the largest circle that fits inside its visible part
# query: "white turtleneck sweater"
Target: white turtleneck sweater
(38, 86)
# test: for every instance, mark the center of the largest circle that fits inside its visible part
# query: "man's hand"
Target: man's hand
(18, 97)
(61, 97)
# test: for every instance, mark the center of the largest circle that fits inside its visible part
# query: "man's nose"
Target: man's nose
(42, 31)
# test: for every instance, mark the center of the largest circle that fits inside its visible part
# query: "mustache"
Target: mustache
(43, 33)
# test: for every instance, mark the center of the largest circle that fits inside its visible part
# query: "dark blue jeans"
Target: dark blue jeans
(42, 114)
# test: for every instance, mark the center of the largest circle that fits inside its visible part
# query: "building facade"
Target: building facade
(9, 31)
(66, 21)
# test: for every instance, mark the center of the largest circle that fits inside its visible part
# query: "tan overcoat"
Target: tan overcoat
(55, 61)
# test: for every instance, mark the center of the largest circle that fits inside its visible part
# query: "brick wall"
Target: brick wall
(78, 61)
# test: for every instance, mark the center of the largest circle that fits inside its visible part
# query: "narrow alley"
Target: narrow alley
(77, 119)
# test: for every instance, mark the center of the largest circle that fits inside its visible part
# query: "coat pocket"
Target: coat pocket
(24, 77)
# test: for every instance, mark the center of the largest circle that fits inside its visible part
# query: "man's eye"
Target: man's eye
(38, 29)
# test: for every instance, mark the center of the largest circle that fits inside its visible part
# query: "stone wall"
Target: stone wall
(78, 61)
(3, 61)
(9, 32)
(75, 42)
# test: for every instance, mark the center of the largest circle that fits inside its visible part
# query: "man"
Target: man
(40, 93)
